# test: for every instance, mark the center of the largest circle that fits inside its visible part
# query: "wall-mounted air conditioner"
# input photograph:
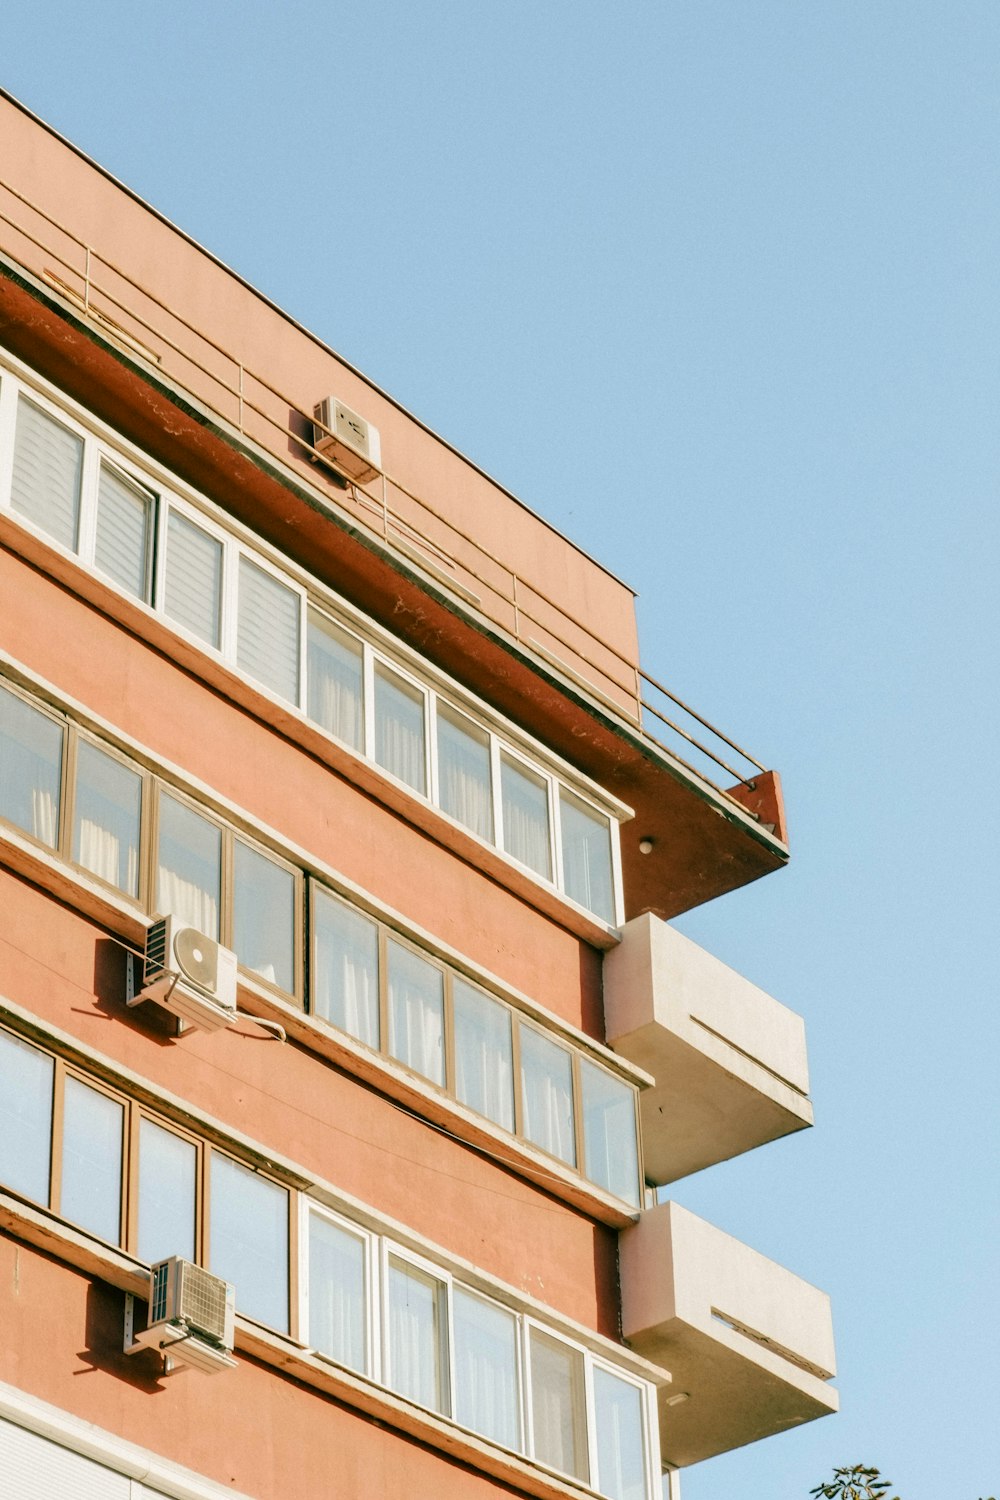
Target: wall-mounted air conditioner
(189, 974)
(191, 1316)
(347, 440)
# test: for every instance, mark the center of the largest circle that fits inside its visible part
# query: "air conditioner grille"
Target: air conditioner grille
(159, 1301)
(156, 950)
(202, 1301)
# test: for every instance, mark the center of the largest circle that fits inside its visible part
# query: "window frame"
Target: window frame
(104, 447)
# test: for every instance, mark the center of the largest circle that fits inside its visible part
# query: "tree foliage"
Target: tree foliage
(856, 1483)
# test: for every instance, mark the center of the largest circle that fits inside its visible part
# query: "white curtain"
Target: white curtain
(464, 775)
(43, 816)
(399, 729)
(414, 1345)
(525, 818)
(486, 1389)
(547, 1087)
(556, 1406)
(194, 906)
(345, 981)
(336, 1293)
(483, 1063)
(100, 851)
(416, 1013)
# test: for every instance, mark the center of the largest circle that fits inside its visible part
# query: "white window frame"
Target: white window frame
(308, 1208)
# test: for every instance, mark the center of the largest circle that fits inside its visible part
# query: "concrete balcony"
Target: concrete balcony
(729, 1061)
(749, 1345)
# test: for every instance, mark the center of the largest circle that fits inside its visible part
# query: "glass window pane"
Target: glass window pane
(30, 768)
(124, 522)
(190, 866)
(525, 816)
(621, 1468)
(264, 916)
(193, 591)
(249, 1234)
(558, 1405)
(48, 464)
(399, 728)
(547, 1094)
(267, 642)
(464, 789)
(417, 1360)
(92, 1160)
(25, 1118)
(484, 1066)
(167, 1176)
(345, 970)
(609, 1136)
(337, 1293)
(336, 696)
(416, 1012)
(586, 854)
(106, 818)
(486, 1383)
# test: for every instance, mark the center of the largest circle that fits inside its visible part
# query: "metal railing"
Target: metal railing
(132, 316)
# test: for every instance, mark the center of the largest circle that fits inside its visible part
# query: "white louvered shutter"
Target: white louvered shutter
(48, 463)
(121, 552)
(268, 631)
(34, 1468)
(193, 595)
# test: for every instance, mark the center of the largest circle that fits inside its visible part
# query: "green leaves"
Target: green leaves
(857, 1483)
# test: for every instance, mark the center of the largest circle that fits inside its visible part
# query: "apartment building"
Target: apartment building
(340, 833)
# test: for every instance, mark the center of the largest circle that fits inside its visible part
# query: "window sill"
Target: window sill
(150, 627)
(96, 1259)
(124, 919)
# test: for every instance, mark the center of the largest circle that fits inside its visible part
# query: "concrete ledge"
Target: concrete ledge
(749, 1344)
(729, 1061)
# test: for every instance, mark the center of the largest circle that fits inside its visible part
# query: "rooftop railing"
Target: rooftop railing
(132, 317)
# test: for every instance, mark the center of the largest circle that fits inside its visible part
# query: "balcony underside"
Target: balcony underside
(703, 842)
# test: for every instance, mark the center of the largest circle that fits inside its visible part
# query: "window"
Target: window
(547, 1090)
(586, 856)
(31, 749)
(96, 1157)
(48, 466)
(106, 813)
(621, 1455)
(399, 728)
(190, 866)
(26, 1082)
(338, 1292)
(168, 1190)
(345, 968)
(122, 546)
(525, 816)
(558, 1405)
(610, 1148)
(335, 673)
(194, 566)
(484, 1065)
(249, 1240)
(267, 646)
(193, 586)
(91, 1179)
(417, 1339)
(487, 1396)
(264, 916)
(416, 1012)
(464, 776)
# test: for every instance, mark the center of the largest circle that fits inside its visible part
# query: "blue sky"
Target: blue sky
(712, 286)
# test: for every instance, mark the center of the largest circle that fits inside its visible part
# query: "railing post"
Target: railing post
(86, 284)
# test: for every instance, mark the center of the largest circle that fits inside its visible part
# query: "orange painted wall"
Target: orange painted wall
(82, 652)
(69, 973)
(251, 1428)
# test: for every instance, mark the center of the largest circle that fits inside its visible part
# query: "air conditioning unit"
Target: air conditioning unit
(191, 1316)
(347, 440)
(189, 974)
